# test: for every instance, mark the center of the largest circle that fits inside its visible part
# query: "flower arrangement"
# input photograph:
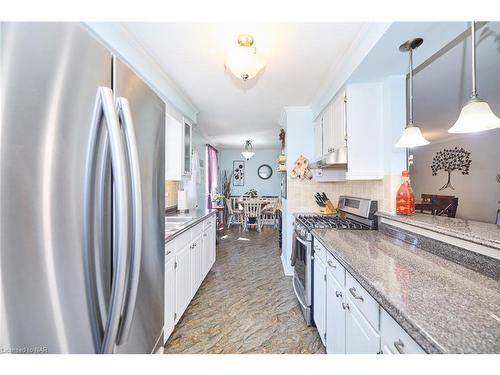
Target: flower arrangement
(219, 199)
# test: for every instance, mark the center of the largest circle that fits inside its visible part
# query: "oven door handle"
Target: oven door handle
(297, 294)
(302, 241)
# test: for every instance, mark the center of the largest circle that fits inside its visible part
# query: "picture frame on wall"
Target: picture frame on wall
(238, 173)
(283, 185)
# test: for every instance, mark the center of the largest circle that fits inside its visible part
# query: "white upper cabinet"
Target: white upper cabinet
(318, 139)
(327, 121)
(354, 118)
(187, 141)
(178, 148)
(365, 144)
(330, 136)
(338, 122)
(173, 149)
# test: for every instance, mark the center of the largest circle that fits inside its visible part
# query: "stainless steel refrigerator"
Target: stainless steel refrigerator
(81, 194)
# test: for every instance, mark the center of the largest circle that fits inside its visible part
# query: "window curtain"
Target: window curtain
(212, 173)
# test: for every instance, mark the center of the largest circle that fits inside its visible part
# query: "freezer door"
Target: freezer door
(148, 115)
(50, 75)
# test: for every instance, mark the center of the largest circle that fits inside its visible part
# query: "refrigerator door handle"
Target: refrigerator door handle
(104, 341)
(125, 117)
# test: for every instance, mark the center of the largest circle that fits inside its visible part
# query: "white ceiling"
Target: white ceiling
(299, 57)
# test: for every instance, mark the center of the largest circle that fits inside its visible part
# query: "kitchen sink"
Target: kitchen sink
(178, 219)
(172, 226)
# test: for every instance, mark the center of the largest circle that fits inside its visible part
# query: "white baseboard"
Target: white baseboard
(287, 269)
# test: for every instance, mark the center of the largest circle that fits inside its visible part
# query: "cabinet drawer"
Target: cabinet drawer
(196, 230)
(182, 240)
(208, 222)
(170, 248)
(319, 250)
(395, 338)
(335, 268)
(366, 304)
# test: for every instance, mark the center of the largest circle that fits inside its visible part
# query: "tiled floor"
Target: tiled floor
(245, 304)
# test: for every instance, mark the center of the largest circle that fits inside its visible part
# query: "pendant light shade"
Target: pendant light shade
(412, 135)
(243, 61)
(248, 153)
(476, 115)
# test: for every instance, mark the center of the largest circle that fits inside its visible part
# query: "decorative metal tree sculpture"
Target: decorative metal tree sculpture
(455, 159)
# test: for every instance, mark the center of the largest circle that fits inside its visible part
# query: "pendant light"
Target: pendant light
(412, 136)
(476, 114)
(243, 61)
(248, 153)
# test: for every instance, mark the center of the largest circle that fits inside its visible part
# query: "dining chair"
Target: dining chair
(252, 210)
(233, 215)
(269, 211)
(439, 205)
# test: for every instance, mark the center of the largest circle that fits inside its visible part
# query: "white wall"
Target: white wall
(252, 180)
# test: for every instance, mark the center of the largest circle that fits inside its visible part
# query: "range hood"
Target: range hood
(336, 159)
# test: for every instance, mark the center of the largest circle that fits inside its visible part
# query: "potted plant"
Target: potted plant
(252, 193)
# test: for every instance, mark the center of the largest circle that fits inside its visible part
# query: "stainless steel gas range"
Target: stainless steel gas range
(353, 214)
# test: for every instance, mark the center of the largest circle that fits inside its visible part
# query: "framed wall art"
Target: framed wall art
(238, 173)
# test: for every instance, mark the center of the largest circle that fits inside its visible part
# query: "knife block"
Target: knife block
(329, 209)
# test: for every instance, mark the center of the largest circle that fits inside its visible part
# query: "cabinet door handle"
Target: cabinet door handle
(332, 265)
(355, 295)
(399, 345)
(345, 306)
(338, 294)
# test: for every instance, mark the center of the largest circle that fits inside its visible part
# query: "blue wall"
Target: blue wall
(298, 125)
(252, 180)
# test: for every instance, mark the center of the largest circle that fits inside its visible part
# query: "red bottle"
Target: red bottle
(405, 199)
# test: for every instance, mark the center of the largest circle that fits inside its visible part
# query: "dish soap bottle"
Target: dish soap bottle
(405, 199)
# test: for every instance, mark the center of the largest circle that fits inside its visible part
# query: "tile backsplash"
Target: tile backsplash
(301, 193)
(171, 188)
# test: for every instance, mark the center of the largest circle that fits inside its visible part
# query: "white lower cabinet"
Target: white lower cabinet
(360, 336)
(335, 316)
(190, 256)
(196, 264)
(169, 314)
(394, 339)
(206, 261)
(213, 239)
(348, 319)
(183, 280)
(319, 297)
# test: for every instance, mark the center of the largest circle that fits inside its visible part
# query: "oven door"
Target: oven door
(302, 283)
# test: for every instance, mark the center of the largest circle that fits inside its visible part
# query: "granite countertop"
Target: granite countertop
(445, 307)
(195, 216)
(474, 231)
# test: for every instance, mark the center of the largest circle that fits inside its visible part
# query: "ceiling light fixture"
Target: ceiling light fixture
(243, 61)
(412, 136)
(476, 114)
(248, 153)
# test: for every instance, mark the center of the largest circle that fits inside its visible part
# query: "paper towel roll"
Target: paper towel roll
(182, 200)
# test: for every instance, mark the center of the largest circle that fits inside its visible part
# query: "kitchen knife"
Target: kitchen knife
(319, 197)
(319, 202)
(325, 198)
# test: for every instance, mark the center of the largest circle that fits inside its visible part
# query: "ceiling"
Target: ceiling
(299, 57)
